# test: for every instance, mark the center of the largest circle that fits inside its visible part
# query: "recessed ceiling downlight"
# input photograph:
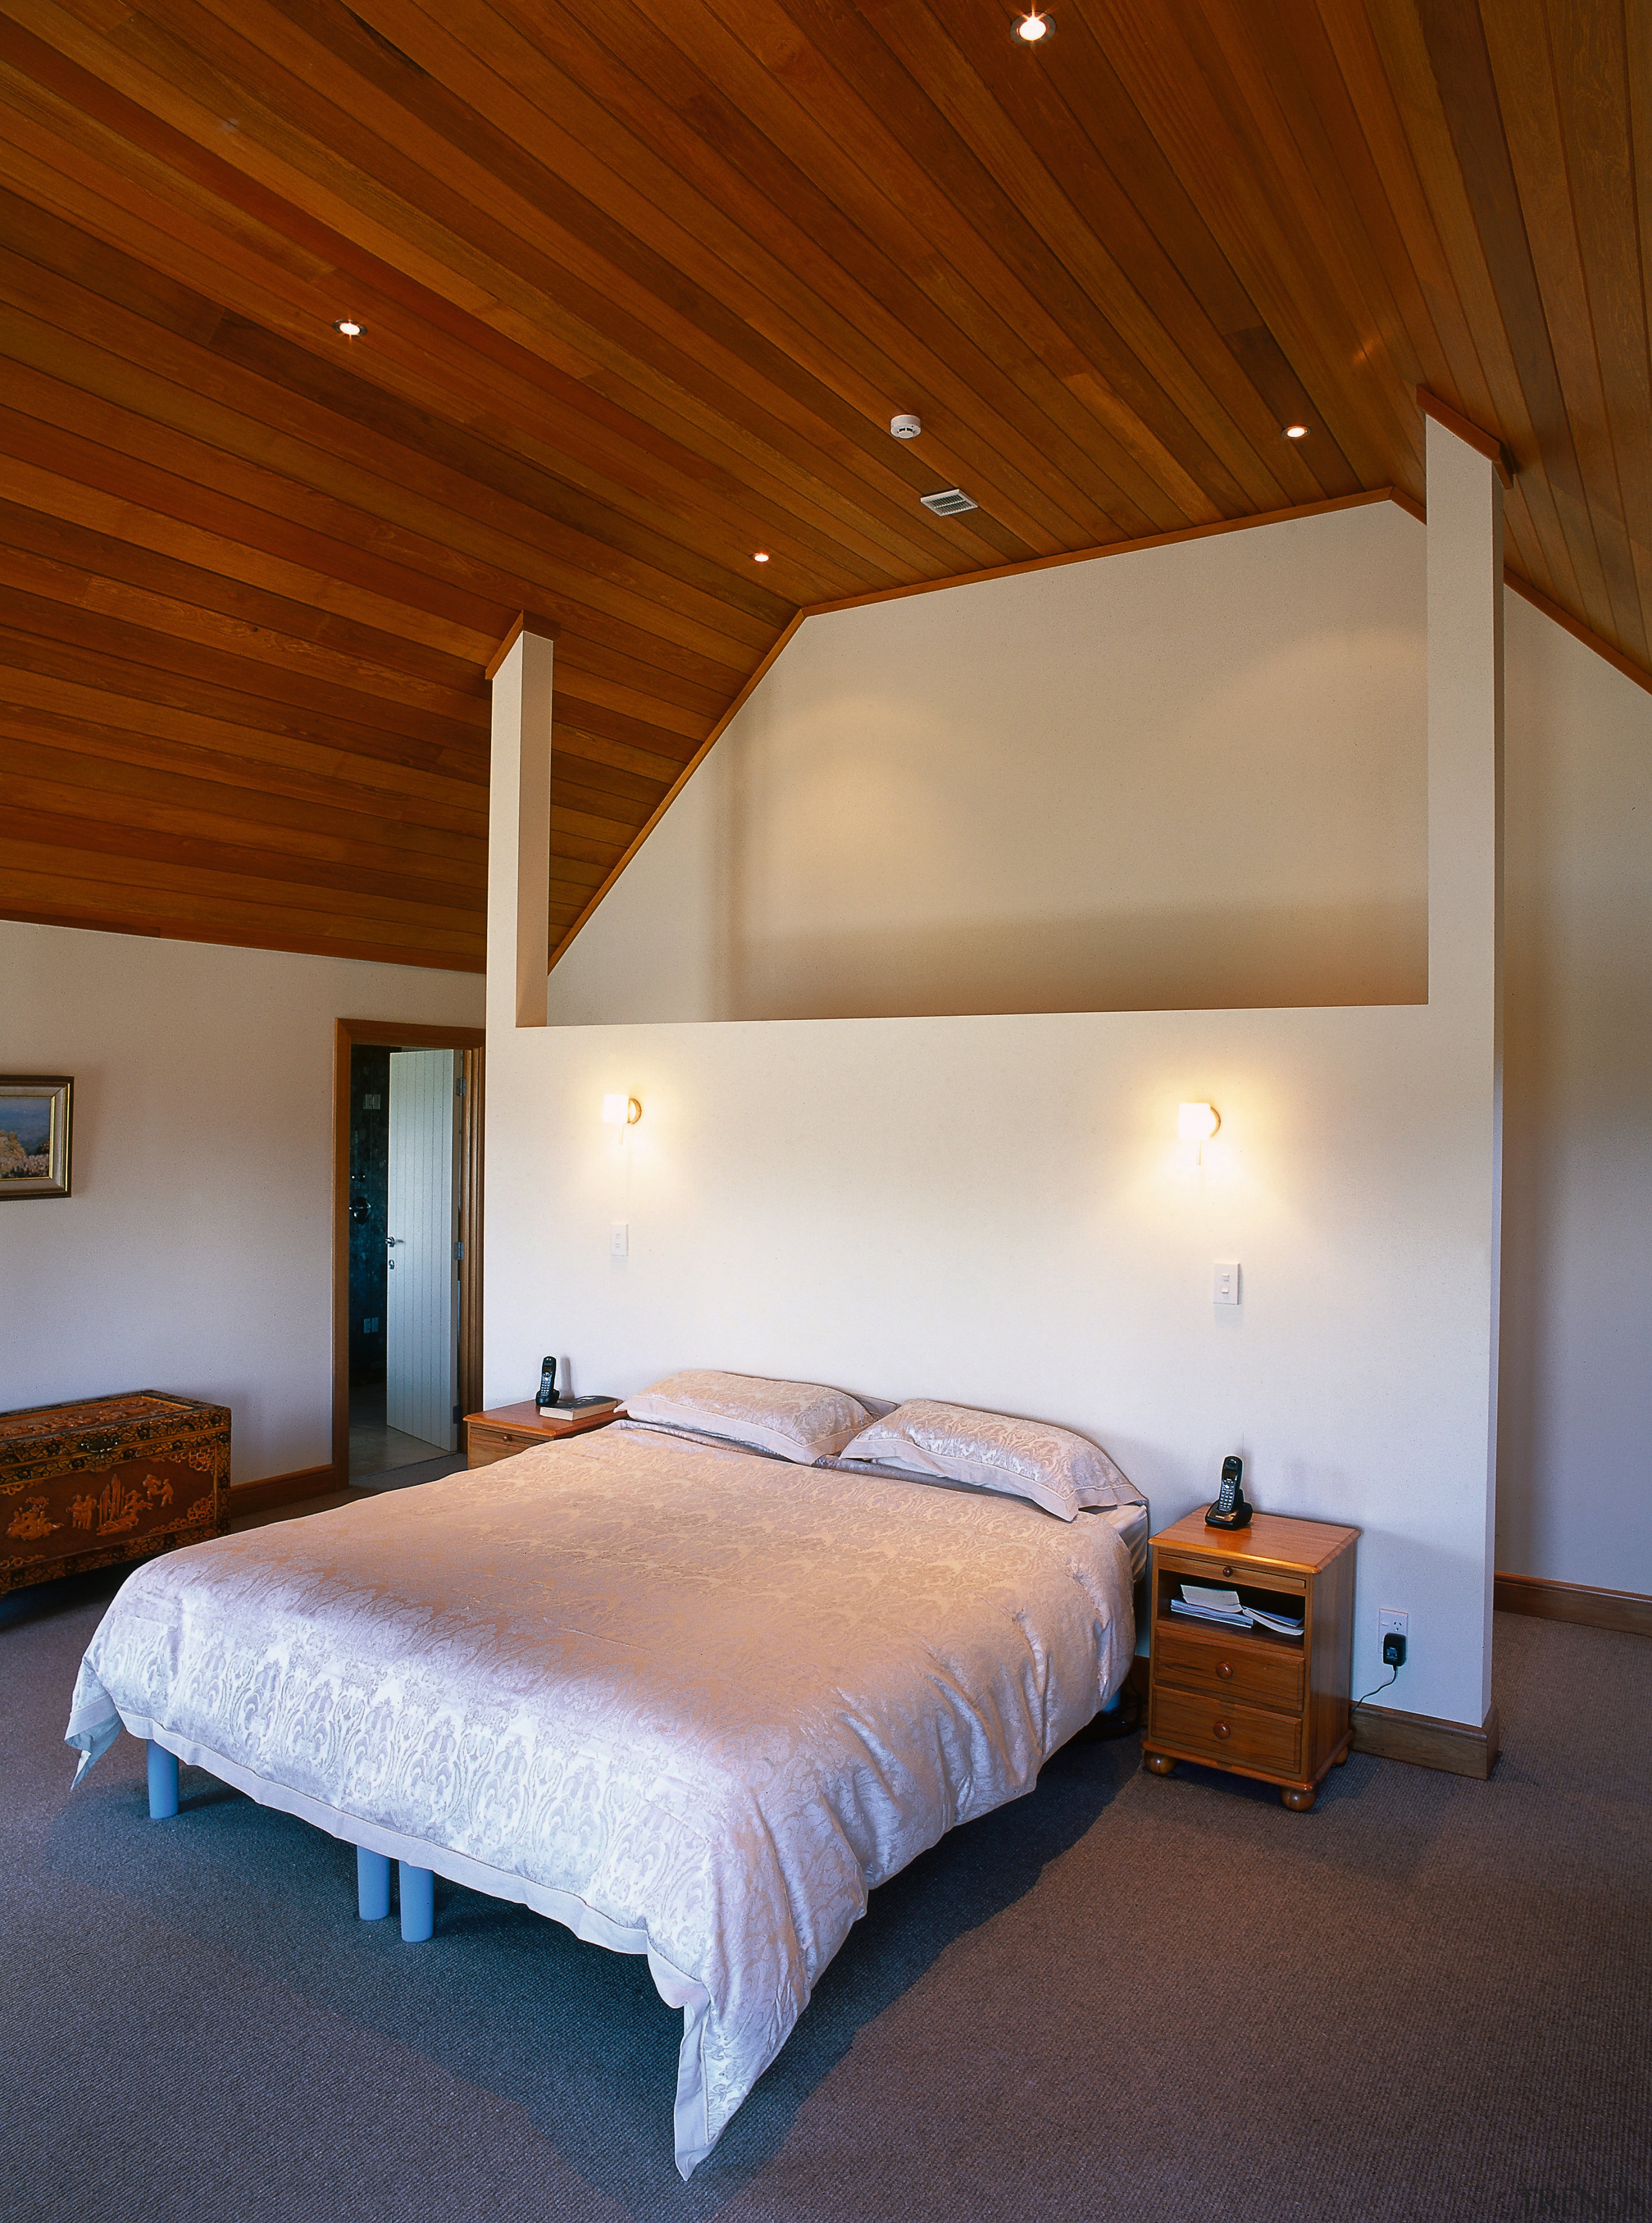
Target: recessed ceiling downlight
(1032, 27)
(951, 501)
(1296, 432)
(350, 328)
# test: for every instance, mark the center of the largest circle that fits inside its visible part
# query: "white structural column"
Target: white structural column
(518, 835)
(1465, 894)
(516, 1266)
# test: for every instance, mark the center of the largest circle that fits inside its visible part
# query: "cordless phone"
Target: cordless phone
(1231, 1510)
(548, 1383)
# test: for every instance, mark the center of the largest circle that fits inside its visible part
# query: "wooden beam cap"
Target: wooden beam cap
(1484, 444)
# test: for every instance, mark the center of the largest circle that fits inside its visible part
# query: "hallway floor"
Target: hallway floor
(376, 1448)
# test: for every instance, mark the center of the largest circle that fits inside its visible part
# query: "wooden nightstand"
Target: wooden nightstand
(511, 1428)
(1272, 1706)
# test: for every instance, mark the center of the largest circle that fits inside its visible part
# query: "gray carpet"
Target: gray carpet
(1122, 1997)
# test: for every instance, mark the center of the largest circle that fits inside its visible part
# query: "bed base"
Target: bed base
(417, 1890)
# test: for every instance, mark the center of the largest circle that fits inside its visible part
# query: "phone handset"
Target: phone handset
(548, 1383)
(1231, 1510)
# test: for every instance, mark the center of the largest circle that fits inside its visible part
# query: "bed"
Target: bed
(691, 1701)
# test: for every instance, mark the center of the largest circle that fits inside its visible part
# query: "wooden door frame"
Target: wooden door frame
(389, 1034)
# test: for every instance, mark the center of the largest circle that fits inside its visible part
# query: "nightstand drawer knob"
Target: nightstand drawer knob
(1228, 1570)
(1224, 1668)
(1223, 1731)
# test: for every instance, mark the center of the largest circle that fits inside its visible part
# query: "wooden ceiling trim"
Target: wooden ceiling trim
(1327, 507)
(1475, 436)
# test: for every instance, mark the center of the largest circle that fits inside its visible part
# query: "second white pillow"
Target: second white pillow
(1059, 1471)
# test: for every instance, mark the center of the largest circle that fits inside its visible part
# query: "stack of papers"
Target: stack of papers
(1199, 1602)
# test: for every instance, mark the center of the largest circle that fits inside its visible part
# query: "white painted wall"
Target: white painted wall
(195, 1253)
(1574, 1499)
(995, 1209)
(1185, 777)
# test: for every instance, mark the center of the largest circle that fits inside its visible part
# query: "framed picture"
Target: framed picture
(35, 1114)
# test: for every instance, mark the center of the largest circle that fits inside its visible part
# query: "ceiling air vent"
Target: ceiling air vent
(951, 502)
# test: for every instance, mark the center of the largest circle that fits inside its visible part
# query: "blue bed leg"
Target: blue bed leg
(372, 1884)
(163, 1783)
(418, 1903)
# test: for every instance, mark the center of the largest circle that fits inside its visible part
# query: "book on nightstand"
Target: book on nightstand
(568, 1411)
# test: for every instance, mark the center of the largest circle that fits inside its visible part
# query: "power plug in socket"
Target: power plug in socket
(1394, 1649)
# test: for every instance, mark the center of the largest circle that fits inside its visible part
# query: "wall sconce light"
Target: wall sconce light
(621, 1110)
(1197, 1123)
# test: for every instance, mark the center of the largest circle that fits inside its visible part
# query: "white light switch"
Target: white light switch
(619, 1239)
(1226, 1289)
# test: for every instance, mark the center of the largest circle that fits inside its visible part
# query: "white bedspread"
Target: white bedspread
(690, 1702)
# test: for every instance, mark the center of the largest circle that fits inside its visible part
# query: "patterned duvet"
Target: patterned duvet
(690, 1702)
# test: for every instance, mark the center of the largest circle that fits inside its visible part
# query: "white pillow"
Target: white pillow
(798, 1420)
(1054, 1468)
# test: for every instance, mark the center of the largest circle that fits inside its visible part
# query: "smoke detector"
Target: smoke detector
(905, 428)
(951, 501)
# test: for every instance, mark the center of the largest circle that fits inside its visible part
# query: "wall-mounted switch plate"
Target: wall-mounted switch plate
(1226, 1282)
(619, 1239)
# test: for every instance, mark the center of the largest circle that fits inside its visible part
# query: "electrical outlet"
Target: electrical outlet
(1390, 1623)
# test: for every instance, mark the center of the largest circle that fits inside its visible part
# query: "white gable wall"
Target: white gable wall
(995, 1209)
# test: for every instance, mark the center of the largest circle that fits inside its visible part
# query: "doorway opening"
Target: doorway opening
(407, 1265)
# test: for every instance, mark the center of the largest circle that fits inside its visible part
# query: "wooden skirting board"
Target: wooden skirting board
(1627, 1610)
(1456, 1748)
(283, 1490)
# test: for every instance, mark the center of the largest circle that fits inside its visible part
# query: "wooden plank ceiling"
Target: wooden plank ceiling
(641, 284)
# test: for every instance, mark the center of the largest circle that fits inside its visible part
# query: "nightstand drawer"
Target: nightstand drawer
(484, 1445)
(1239, 1668)
(1226, 1735)
(1249, 1574)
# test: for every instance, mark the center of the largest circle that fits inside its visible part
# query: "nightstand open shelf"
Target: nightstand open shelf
(1250, 1700)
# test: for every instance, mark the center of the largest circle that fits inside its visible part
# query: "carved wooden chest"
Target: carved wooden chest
(104, 1479)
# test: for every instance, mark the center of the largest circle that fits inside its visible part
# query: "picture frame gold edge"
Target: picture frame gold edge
(41, 1187)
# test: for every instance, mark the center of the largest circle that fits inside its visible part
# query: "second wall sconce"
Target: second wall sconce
(621, 1110)
(1197, 1123)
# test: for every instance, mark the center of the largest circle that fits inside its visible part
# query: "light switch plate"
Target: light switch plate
(1224, 1288)
(619, 1239)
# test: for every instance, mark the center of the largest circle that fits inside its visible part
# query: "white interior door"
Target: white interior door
(421, 1311)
